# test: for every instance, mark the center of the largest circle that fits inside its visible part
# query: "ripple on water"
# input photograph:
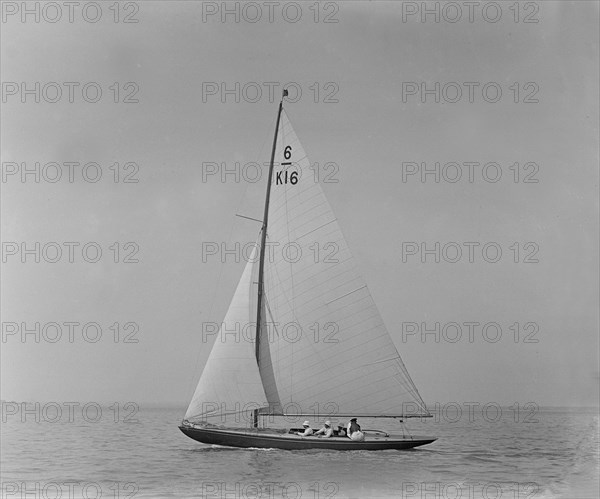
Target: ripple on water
(559, 455)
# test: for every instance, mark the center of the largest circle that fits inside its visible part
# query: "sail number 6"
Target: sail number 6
(286, 177)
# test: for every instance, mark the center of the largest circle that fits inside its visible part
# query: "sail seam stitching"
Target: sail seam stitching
(343, 296)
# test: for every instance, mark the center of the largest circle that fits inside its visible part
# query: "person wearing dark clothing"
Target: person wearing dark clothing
(354, 432)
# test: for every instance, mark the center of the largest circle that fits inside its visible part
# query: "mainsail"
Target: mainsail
(330, 349)
(324, 347)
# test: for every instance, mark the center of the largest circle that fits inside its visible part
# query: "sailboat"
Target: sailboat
(319, 348)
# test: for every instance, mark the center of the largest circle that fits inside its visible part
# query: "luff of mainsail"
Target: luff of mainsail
(230, 382)
(330, 351)
(262, 350)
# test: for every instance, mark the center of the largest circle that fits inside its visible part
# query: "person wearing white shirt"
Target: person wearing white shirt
(326, 431)
(307, 430)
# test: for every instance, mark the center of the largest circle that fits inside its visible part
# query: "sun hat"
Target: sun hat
(306, 423)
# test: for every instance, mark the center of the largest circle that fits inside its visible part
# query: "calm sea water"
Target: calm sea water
(530, 454)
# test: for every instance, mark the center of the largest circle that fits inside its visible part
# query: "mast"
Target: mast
(263, 241)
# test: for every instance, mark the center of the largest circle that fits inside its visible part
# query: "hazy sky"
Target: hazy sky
(371, 132)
